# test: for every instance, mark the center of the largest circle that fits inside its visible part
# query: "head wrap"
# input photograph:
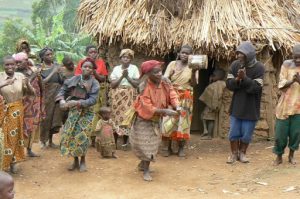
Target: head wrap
(43, 51)
(128, 52)
(19, 45)
(89, 60)
(296, 48)
(20, 56)
(147, 66)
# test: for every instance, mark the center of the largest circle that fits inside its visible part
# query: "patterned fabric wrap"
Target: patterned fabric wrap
(32, 110)
(145, 139)
(122, 99)
(1, 148)
(1, 133)
(178, 127)
(76, 132)
(12, 129)
(105, 138)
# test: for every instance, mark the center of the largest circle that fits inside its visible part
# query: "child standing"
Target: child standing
(212, 98)
(105, 130)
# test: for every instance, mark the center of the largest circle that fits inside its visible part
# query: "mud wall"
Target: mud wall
(265, 126)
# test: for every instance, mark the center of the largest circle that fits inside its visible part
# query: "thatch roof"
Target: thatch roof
(216, 26)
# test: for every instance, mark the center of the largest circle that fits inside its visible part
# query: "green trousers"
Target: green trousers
(287, 132)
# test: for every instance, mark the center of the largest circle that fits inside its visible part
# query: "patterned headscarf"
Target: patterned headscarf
(89, 60)
(20, 56)
(127, 52)
(19, 45)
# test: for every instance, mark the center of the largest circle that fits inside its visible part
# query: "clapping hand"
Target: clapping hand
(26, 81)
(172, 72)
(125, 73)
(241, 74)
(10, 81)
(296, 78)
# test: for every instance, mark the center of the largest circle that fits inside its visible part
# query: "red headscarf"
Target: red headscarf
(147, 66)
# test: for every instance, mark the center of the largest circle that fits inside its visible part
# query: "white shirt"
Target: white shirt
(133, 73)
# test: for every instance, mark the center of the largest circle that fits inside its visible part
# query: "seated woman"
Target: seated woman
(156, 95)
(13, 87)
(78, 94)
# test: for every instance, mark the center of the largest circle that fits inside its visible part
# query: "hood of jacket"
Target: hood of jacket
(248, 50)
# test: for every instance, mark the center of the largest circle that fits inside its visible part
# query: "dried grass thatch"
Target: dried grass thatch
(216, 26)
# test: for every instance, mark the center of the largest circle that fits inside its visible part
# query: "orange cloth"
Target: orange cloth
(101, 68)
(153, 98)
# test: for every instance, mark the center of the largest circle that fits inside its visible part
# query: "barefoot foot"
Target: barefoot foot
(278, 161)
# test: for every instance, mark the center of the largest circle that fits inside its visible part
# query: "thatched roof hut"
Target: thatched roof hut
(215, 26)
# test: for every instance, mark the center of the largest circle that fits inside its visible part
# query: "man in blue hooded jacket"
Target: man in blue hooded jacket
(245, 79)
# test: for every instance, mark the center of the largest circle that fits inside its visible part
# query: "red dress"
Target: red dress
(101, 68)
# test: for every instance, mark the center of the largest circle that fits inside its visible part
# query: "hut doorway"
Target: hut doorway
(197, 126)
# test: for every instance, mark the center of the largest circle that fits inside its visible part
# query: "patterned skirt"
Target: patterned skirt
(178, 127)
(32, 114)
(12, 129)
(1, 148)
(122, 99)
(1, 133)
(77, 129)
(145, 139)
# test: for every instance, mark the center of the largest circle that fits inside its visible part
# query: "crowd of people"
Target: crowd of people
(91, 105)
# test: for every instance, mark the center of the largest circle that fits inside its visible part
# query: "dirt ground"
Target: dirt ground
(202, 174)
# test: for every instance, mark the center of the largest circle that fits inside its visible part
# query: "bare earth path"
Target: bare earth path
(203, 174)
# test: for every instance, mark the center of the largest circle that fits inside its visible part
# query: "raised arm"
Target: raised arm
(115, 80)
(27, 87)
(284, 81)
(253, 86)
(232, 83)
(134, 80)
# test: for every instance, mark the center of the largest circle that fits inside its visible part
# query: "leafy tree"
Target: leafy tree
(44, 11)
(13, 30)
(54, 25)
(70, 14)
(63, 42)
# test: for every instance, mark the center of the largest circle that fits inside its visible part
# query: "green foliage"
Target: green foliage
(43, 12)
(53, 26)
(70, 14)
(13, 30)
(46, 10)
